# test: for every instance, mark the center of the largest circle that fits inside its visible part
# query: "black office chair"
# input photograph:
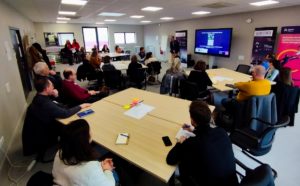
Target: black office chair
(137, 77)
(190, 91)
(243, 68)
(262, 175)
(113, 79)
(257, 142)
(40, 178)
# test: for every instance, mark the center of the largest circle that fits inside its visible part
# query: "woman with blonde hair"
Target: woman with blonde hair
(175, 67)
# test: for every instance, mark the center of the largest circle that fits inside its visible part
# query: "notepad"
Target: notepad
(139, 111)
(184, 133)
(122, 139)
(221, 78)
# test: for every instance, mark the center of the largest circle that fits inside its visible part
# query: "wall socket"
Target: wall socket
(1, 141)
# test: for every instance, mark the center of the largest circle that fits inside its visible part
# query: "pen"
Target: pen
(141, 101)
(124, 135)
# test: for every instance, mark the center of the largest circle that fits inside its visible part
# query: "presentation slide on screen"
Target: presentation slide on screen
(215, 42)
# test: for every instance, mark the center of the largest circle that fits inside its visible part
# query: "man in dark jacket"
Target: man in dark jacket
(174, 46)
(40, 127)
(206, 159)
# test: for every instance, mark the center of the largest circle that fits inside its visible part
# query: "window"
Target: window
(63, 37)
(119, 38)
(130, 38)
(94, 36)
(102, 37)
(125, 38)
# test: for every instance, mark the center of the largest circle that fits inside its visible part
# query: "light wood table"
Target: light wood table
(113, 54)
(222, 76)
(145, 148)
(168, 108)
(123, 65)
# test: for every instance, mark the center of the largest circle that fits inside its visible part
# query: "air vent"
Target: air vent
(218, 5)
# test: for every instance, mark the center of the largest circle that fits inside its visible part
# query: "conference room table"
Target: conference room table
(166, 107)
(114, 55)
(123, 65)
(222, 76)
(145, 147)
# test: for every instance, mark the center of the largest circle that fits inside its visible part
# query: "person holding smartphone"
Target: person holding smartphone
(76, 162)
(206, 159)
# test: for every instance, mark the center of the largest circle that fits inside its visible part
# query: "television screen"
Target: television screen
(215, 42)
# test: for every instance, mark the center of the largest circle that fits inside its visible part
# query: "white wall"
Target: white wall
(242, 32)
(13, 104)
(77, 29)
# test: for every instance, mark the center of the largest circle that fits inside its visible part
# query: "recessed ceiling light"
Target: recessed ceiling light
(111, 14)
(61, 21)
(146, 21)
(200, 13)
(74, 2)
(137, 16)
(110, 20)
(63, 18)
(167, 18)
(100, 23)
(66, 13)
(263, 3)
(152, 8)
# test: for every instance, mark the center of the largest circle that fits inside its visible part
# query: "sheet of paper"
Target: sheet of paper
(122, 139)
(221, 78)
(184, 133)
(139, 111)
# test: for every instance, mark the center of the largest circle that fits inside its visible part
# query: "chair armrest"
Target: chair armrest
(263, 122)
(252, 137)
(283, 123)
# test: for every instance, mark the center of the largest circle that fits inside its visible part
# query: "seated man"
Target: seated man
(41, 69)
(107, 66)
(40, 127)
(206, 159)
(76, 94)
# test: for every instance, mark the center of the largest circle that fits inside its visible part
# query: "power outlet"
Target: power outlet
(1, 141)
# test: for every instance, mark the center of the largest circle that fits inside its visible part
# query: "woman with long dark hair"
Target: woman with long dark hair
(76, 162)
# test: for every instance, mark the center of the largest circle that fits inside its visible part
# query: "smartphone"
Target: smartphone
(85, 113)
(167, 141)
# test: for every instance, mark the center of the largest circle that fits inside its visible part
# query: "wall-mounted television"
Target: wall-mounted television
(214, 42)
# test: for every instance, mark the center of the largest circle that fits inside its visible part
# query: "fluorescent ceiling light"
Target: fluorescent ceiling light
(167, 18)
(200, 13)
(110, 20)
(146, 21)
(74, 2)
(63, 18)
(100, 23)
(263, 3)
(111, 14)
(152, 8)
(61, 21)
(66, 13)
(137, 16)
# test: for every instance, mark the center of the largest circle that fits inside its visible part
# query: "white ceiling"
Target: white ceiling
(47, 10)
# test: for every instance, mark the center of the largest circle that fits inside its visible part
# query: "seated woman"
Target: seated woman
(199, 76)
(273, 70)
(118, 50)
(135, 75)
(175, 69)
(95, 60)
(287, 96)
(107, 66)
(76, 162)
(149, 58)
(105, 49)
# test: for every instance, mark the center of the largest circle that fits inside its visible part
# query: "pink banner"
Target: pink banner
(288, 53)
